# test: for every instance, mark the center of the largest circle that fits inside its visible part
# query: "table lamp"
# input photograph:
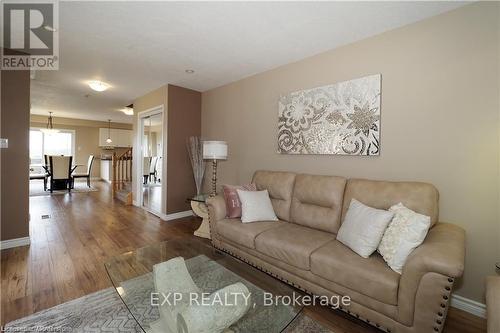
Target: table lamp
(214, 150)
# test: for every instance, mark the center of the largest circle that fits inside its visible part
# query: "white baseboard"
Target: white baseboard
(84, 180)
(178, 215)
(169, 217)
(468, 305)
(10, 243)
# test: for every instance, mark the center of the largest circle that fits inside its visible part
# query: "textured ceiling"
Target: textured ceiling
(137, 46)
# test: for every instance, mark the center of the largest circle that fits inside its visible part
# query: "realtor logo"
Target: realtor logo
(30, 39)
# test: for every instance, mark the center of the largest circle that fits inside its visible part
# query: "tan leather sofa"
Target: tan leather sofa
(493, 303)
(301, 248)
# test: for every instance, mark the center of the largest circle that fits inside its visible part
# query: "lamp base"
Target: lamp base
(214, 178)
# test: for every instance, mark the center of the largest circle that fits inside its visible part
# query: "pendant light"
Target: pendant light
(50, 128)
(108, 140)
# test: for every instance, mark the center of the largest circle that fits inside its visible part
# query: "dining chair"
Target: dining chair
(42, 175)
(44, 172)
(146, 167)
(60, 171)
(152, 167)
(87, 174)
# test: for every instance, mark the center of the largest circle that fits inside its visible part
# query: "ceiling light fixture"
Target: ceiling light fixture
(50, 127)
(189, 71)
(108, 140)
(128, 111)
(98, 85)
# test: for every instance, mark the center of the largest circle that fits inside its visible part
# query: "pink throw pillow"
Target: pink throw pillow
(233, 203)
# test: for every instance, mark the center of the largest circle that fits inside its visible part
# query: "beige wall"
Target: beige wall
(184, 120)
(440, 116)
(182, 108)
(151, 100)
(14, 124)
(86, 138)
(498, 66)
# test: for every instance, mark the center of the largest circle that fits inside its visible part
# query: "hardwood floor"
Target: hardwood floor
(67, 252)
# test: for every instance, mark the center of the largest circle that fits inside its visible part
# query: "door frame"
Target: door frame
(159, 109)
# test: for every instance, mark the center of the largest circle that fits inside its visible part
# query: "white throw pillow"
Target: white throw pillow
(256, 206)
(406, 231)
(363, 228)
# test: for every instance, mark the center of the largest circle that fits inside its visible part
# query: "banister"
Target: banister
(121, 169)
(126, 153)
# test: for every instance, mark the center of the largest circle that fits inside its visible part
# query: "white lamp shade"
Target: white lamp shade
(214, 150)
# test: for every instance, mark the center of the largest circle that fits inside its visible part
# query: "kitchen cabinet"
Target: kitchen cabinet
(120, 137)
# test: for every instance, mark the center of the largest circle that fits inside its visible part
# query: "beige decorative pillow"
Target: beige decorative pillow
(406, 231)
(363, 228)
(256, 206)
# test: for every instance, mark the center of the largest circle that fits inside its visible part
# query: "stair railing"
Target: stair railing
(122, 170)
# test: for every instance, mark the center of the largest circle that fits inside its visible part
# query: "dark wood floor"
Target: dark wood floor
(65, 259)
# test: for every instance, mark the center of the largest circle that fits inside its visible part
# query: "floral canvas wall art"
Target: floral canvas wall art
(339, 119)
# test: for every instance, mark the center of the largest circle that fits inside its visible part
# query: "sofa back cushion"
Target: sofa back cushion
(317, 202)
(422, 198)
(280, 187)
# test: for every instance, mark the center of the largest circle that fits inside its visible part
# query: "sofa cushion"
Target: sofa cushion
(493, 303)
(292, 243)
(244, 233)
(317, 202)
(280, 188)
(371, 276)
(422, 198)
(308, 280)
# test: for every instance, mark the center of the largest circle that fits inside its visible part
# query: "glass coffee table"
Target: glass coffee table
(140, 278)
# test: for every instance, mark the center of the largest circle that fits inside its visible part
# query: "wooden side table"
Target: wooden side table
(200, 208)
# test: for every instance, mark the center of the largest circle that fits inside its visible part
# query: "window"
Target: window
(58, 144)
(61, 143)
(36, 147)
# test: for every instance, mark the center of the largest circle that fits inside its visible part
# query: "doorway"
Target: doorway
(152, 162)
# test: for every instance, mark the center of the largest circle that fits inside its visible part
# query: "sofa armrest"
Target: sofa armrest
(216, 212)
(493, 303)
(443, 254)
(216, 207)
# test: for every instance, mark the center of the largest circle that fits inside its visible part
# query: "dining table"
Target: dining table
(58, 185)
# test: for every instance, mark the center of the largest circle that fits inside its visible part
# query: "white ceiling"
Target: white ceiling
(137, 47)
